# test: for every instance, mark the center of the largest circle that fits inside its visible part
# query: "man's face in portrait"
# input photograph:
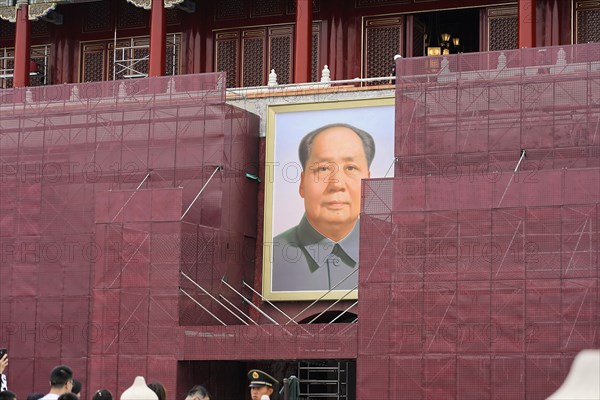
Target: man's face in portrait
(330, 183)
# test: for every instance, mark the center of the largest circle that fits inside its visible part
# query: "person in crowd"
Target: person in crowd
(3, 365)
(102, 394)
(8, 395)
(198, 392)
(68, 396)
(35, 396)
(159, 389)
(76, 390)
(61, 381)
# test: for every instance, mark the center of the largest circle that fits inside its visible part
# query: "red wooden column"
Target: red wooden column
(158, 39)
(526, 23)
(22, 47)
(303, 48)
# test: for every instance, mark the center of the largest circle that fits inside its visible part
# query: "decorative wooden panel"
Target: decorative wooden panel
(291, 6)
(93, 63)
(173, 16)
(502, 28)
(587, 21)
(7, 29)
(281, 50)
(253, 57)
(39, 28)
(98, 17)
(316, 66)
(230, 9)
(383, 40)
(226, 50)
(376, 3)
(265, 8)
(130, 16)
(248, 55)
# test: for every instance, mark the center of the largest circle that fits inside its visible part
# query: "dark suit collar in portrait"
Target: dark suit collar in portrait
(321, 250)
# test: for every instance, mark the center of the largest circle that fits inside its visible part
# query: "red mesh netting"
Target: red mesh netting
(492, 276)
(95, 179)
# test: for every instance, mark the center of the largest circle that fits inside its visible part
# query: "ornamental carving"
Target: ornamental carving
(145, 4)
(8, 13)
(35, 11)
(39, 10)
(172, 3)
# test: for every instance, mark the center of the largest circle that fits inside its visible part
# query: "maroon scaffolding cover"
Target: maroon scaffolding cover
(96, 182)
(491, 276)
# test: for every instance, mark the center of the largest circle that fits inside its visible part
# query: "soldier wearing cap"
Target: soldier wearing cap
(261, 384)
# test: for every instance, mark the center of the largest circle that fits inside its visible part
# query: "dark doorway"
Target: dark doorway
(227, 380)
(459, 24)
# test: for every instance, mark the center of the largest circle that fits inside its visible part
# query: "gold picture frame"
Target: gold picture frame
(283, 206)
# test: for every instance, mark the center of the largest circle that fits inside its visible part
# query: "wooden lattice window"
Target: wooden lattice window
(502, 29)
(226, 50)
(281, 52)
(40, 55)
(248, 55)
(127, 58)
(253, 57)
(173, 54)
(316, 45)
(587, 21)
(383, 40)
(93, 65)
(130, 58)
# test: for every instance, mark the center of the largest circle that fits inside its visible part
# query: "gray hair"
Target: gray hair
(305, 146)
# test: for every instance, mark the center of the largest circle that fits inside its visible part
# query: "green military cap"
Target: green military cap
(260, 378)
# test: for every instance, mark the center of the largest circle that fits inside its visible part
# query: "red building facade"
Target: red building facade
(105, 40)
(131, 217)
